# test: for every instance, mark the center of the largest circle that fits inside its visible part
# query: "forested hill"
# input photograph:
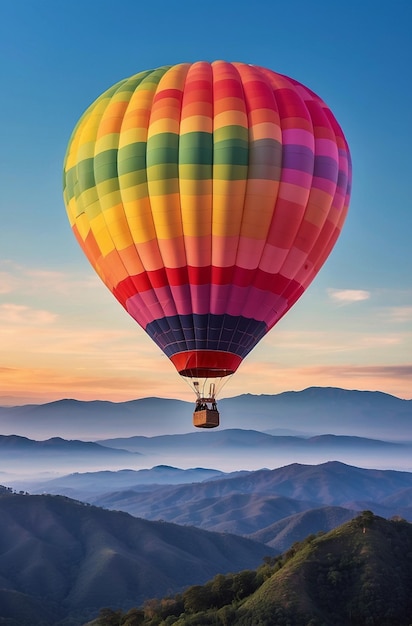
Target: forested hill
(61, 560)
(358, 574)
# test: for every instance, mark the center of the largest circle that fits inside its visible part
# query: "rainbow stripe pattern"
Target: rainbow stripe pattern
(207, 196)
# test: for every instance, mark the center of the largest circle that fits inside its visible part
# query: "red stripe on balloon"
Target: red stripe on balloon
(175, 94)
(273, 283)
(205, 363)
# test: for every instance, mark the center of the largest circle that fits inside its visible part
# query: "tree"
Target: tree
(197, 598)
(108, 617)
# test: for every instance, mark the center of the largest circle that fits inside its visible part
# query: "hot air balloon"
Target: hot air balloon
(207, 196)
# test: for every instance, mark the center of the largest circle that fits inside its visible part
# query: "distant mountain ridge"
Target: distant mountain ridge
(225, 450)
(276, 507)
(297, 488)
(313, 411)
(24, 456)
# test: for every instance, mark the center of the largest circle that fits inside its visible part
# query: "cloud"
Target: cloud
(59, 283)
(380, 371)
(302, 344)
(21, 314)
(28, 281)
(399, 314)
(348, 296)
(7, 283)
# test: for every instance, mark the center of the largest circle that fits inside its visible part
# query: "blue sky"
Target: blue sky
(61, 333)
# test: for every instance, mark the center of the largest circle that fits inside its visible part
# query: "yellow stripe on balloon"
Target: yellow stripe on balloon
(196, 123)
(164, 125)
(196, 215)
(265, 130)
(107, 142)
(83, 225)
(166, 216)
(107, 195)
(261, 203)
(89, 198)
(230, 118)
(118, 227)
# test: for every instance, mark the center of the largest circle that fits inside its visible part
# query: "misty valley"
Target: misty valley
(98, 528)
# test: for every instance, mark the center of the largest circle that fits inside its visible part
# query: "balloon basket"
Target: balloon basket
(206, 418)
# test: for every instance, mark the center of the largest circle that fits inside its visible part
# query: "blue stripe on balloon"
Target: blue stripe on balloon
(226, 333)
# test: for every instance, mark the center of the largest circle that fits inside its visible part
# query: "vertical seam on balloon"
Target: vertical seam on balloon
(247, 331)
(154, 222)
(212, 99)
(228, 292)
(184, 331)
(98, 194)
(291, 301)
(84, 211)
(308, 196)
(209, 314)
(165, 317)
(211, 294)
(339, 201)
(272, 79)
(229, 296)
(148, 276)
(254, 339)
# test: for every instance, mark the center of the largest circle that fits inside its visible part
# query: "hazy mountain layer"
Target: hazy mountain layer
(310, 412)
(276, 507)
(220, 451)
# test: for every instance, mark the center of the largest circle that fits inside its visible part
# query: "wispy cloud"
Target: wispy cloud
(399, 314)
(302, 341)
(21, 314)
(360, 371)
(7, 282)
(348, 296)
(28, 281)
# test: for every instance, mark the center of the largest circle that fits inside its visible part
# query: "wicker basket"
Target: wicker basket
(206, 418)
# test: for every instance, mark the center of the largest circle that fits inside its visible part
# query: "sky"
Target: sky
(62, 334)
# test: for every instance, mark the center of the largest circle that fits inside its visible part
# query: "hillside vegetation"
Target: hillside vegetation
(359, 574)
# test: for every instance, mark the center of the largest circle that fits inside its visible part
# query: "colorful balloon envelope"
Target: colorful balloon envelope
(207, 196)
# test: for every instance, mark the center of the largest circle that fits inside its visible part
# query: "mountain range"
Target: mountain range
(21, 456)
(110, 520)
(226, 451)
(240, 449)
(61, 560)
(313, 411)
(276, 507)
